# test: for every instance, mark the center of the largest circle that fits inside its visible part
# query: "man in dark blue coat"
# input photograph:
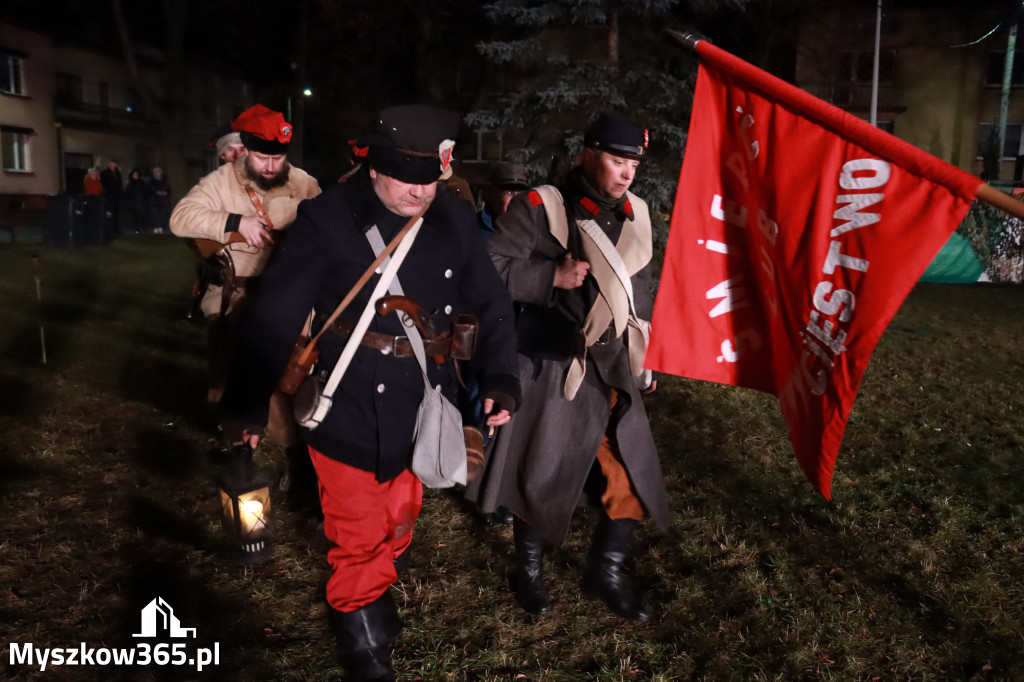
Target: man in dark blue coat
(362, 449)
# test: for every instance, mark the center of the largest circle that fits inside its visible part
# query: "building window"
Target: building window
(994, 70)
(857, 66)
(10, 75)
(487, 147)
(68, 89)
(14, 148)
(987, 133)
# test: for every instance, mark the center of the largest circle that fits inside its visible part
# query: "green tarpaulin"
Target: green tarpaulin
(955, 263)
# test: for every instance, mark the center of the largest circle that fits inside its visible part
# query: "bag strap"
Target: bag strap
(415, 339)
(364, 320)
(257, 203)
(381, 256)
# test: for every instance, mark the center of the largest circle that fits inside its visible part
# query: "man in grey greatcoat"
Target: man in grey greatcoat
(582, 431)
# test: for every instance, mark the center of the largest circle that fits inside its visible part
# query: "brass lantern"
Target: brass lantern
(245, 506)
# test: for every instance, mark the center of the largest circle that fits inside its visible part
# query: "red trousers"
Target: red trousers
(369, 525)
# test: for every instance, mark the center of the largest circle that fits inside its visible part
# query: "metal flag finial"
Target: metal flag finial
(686, 38)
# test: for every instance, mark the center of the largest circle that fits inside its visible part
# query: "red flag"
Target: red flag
(797, 231)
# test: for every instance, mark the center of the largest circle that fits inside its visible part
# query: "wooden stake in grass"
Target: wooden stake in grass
(39, 302)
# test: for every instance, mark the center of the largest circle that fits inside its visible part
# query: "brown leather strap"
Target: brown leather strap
(395, 241)
(258, 205)
(400, 346)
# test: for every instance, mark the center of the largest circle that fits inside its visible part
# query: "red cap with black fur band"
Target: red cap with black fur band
(263, 130)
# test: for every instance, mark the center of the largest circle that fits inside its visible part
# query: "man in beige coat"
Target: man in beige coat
(233, 213)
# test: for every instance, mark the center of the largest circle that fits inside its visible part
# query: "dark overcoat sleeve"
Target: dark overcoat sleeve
(274, 320)
(485, 295)
(524, 252)
(643, 297)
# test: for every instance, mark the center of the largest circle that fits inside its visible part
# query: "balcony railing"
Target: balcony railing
(91, 112)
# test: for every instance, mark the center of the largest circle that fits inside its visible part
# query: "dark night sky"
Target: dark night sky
(363, 54)
(250, 39)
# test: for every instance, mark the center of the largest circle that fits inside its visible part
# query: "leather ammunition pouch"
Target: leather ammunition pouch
(464, 331)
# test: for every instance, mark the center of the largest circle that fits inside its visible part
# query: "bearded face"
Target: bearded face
(267, 171)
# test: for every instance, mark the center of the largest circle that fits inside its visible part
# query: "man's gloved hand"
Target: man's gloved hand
(238, 433)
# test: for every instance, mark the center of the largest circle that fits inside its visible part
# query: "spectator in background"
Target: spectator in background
(92, 183)
(113, 186)
(160, 201)
(507, 180)
(136, 198)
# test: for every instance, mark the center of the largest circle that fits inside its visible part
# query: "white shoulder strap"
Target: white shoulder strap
(554, 208)
(363, 324)
(415, 339)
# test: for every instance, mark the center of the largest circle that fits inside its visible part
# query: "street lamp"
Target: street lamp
(245, 506)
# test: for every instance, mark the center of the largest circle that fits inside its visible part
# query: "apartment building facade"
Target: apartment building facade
(66, 108)
(940, 76)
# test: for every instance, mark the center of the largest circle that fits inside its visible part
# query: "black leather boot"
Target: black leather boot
(528, 579)
(364, 639)
(603, 578)
(502, 516)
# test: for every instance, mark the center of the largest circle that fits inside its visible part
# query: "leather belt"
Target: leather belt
(400, 346)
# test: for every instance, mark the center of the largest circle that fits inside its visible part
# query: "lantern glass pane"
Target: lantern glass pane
(254, 512)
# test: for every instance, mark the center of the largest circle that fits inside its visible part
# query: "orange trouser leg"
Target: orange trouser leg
(619, 499)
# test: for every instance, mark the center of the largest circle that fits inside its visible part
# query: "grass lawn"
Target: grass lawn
(914, 571)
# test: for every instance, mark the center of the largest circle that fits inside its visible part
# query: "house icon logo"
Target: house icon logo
(158, 617)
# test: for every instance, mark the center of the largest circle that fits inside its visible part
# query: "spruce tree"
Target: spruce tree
(562, 62)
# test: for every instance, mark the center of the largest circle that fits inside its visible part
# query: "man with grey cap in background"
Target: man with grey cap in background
(227, 144)
(576, 260)
(507, 180)
(362, 449)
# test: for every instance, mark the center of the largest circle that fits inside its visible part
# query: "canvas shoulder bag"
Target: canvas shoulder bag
(439, 441)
